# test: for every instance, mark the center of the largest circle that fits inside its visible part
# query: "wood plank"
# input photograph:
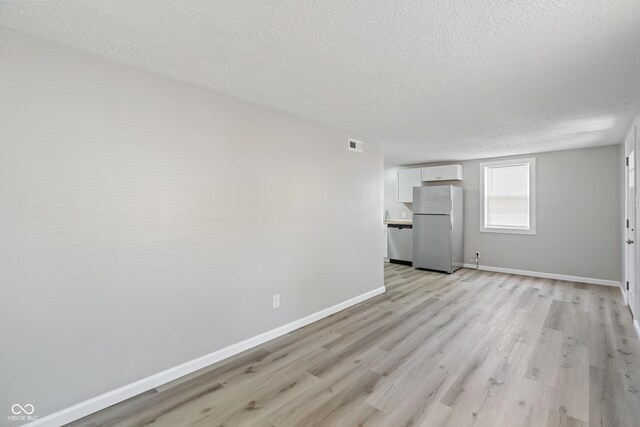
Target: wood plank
(609, 404)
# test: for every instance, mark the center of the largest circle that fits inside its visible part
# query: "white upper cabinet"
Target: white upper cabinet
(442, 173)
(407, 179)
(431, 173)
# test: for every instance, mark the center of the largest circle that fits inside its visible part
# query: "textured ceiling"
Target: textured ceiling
(433, 80)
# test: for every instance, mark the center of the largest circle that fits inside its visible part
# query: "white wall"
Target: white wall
(623, 215)
(145, 222)
(578, 217)
(633, 133)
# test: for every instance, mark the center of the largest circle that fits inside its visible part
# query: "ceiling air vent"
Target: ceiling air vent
(357, 146)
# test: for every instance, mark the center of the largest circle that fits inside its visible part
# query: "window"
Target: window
(507, 196)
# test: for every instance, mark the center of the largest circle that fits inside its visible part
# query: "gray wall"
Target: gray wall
(578, 217)
(145, 222)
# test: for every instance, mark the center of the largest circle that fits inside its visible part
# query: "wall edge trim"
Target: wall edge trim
(568, 278)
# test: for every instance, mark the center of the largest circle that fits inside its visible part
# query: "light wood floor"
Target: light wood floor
(471, 348)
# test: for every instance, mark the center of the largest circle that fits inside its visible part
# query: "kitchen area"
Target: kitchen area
(423, 218)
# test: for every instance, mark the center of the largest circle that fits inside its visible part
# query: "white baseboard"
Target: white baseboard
(623, 291)
(546, 275)
(636, 326)
(95, 404)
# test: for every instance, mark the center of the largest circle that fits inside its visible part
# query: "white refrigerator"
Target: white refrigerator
(438, 228)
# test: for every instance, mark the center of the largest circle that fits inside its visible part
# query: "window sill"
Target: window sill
(530, 232)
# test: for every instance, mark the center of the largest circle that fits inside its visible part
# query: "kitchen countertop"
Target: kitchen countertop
(398, 222)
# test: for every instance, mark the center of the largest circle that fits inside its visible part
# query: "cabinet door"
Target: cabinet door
(431, 173)
(442, 173)
(451, 172)
(407, 179)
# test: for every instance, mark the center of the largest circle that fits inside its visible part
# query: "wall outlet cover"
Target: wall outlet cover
(355, 145)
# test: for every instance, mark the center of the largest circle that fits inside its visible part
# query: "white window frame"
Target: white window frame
(532, 196)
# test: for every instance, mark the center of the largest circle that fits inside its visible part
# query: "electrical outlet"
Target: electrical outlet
(276, 301)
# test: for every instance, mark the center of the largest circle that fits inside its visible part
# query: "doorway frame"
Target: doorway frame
(630, 145)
